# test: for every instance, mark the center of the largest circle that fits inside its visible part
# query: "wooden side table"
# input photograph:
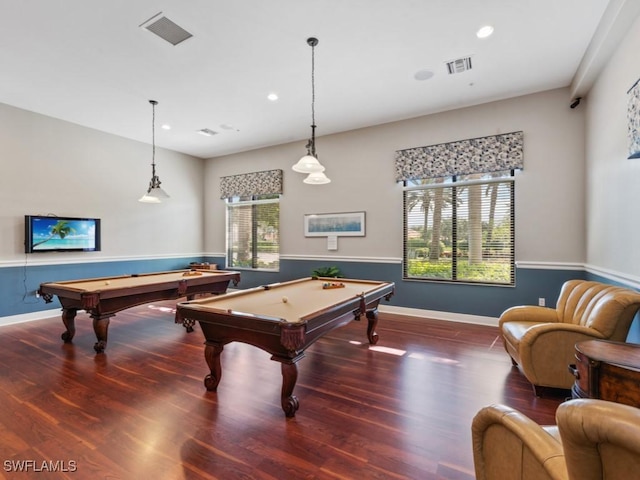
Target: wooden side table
(608, 371)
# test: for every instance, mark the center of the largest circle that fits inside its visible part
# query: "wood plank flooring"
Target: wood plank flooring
(140, 410)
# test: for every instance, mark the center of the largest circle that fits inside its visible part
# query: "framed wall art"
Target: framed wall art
(351, 224)
(633, 120)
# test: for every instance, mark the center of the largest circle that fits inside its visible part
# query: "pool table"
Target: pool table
(283, 319)
(103, 297)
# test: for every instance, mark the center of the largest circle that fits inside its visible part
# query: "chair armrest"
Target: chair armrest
(529, 313)
(506, 441)
(600, 438)
(559, 330)
(547, 350)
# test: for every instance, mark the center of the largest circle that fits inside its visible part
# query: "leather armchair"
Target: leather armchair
(601, 439)
(541, 340)
(593, 440)
(509, 445)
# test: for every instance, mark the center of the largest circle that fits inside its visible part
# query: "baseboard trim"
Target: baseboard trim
(29, 317)
(410, 312)
(436, 315)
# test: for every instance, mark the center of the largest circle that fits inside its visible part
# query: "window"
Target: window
(253, 219)
(460, 228)
(459, 209)
(253, 232)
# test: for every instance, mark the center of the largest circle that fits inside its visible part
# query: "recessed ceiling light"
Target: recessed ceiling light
(273, 97)
(423, 75)
(485, 31)
(166, 127)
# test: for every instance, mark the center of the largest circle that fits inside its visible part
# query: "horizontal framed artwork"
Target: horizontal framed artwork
(351, 224)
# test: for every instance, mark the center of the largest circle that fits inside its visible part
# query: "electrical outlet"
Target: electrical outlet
(541, 301)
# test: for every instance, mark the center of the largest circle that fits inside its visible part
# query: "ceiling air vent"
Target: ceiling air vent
(166, 29)
(207, 132)
(459, 65)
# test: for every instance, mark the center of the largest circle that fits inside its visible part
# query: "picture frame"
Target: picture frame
(633, 120)
(348, 224)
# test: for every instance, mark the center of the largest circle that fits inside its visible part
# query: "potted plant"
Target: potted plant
(327, 272)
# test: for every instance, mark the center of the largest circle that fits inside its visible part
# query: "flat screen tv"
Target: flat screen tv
(61, 234)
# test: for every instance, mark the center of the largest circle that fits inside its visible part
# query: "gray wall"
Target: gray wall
(549, 191)
(612, 180)
(550, 219)
(54, 167)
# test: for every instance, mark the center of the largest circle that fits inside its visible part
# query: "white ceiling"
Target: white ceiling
(89, 62)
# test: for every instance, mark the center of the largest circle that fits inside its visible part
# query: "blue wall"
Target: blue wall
(482, 300)
(17, 284)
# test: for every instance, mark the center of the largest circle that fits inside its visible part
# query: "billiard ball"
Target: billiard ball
(285, 299)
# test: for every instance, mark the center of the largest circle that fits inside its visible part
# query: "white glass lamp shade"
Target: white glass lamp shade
(317, 178)
(308, 164)
(147, 198)
(154, 195)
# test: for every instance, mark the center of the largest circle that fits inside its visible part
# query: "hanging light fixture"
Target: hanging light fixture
(155, 193)
(316, 178)
(309, 163)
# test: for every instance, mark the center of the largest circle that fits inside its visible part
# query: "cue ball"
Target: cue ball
(107, 282)
(285, 299)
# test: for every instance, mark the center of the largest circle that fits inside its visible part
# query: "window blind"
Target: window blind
(460, 229)
(253, 234)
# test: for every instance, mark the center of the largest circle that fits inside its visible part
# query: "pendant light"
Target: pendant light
(154, 194)
(309, 163)
(316, 178)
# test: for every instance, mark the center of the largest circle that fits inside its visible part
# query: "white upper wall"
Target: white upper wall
(613, 209)
(550, 219)
(55, 167)
(49, 166)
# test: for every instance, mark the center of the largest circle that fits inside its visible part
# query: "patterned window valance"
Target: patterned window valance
(476, 155)
(633, 114)
(247, 184)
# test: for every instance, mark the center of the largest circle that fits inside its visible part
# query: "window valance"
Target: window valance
(476, 155)
(267, 182)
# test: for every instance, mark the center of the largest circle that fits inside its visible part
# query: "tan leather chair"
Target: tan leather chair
(541, 340)
(601, 440)
(509, 445)
(593, 440)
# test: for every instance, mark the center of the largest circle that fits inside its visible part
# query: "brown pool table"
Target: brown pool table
(283, 319)
(103, 297)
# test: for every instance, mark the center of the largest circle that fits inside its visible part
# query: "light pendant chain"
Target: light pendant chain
(154, 192)
(313, 42)
(153, 138)
(313, 86)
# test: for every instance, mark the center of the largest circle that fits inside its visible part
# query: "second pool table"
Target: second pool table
(103, 297)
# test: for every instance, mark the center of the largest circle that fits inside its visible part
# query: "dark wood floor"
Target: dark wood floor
(140, 410)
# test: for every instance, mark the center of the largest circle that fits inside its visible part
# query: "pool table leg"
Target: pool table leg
(212, 353)
(69, 320)
(101, 328)
(289, 401)
(372, 317)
